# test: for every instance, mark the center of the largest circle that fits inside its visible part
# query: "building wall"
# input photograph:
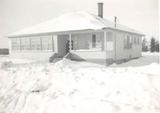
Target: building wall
(83, 41)
(113, 48)
(34, 54)
(123, 53)
(59, 43)
(109, 44)
(109, 50)
(84, 49)
(98, 57)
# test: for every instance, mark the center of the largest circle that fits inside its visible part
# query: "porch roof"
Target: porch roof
(72, 22)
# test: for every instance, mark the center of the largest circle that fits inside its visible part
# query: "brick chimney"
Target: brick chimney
(100, 9)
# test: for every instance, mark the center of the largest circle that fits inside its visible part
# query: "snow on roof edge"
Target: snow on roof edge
(88, 20)
(10, 36)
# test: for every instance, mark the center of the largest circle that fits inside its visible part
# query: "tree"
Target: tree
(144, 45)
(157, 46)
(152, 44)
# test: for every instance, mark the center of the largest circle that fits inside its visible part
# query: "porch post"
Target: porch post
(70, 43)
(53, 43)
(105, 41)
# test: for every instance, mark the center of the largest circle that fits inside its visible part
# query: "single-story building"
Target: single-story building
(84, 35)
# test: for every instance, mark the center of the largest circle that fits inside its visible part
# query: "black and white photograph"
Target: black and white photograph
(79, 56)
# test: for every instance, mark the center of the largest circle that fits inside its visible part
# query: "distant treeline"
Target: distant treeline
(152, 45)
(4, 51)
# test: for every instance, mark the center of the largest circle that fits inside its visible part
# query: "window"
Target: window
(88, 41)
(132, 39)
(47, 43)
(15, 42)
(138, 41)
(99, 41)
(127, 42)
(44, 43)
(35, 43)
(94, 41)
(25, 43)
(135, 40)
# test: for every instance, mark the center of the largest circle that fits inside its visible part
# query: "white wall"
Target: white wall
(34, 54)
(96, 55)
(110, 53)
(121, 52)
(92, 56)
(84, 41)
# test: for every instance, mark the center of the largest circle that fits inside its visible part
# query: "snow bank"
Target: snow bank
(14, 60)
(146, 59)
(79, 87)
(6, 61)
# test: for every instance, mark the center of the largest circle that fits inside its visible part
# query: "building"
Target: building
(86, 36)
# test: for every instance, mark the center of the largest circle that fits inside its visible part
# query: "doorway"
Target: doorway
(62, 44)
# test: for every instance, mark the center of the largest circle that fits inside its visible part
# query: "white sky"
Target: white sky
(15, 15)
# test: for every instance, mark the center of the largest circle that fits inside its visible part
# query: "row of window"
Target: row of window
(33, 43)
(88, 41)
(96, 42)
(130, 40)
(85, 41)
(92, 42)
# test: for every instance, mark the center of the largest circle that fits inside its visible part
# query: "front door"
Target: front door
(62, 44)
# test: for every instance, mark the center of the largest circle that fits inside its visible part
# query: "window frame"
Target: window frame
(30, 43)
(17, 39)
(74, 38)
(24, 45)
(128, 42)
(51, 44)
(93, 40)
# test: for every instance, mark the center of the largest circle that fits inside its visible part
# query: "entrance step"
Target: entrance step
(54, 58)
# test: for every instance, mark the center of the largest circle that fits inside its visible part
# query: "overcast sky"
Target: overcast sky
(15, 15)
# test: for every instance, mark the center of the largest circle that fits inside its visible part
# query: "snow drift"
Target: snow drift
(78, 87)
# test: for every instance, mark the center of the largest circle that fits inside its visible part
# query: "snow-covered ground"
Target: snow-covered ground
(80, 87)
(146, 59)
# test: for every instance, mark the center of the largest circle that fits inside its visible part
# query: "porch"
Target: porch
(93, 46)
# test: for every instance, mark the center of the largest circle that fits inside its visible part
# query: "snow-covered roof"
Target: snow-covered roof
(71, 22)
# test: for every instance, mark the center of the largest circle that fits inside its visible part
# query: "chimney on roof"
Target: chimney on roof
(100, 9)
